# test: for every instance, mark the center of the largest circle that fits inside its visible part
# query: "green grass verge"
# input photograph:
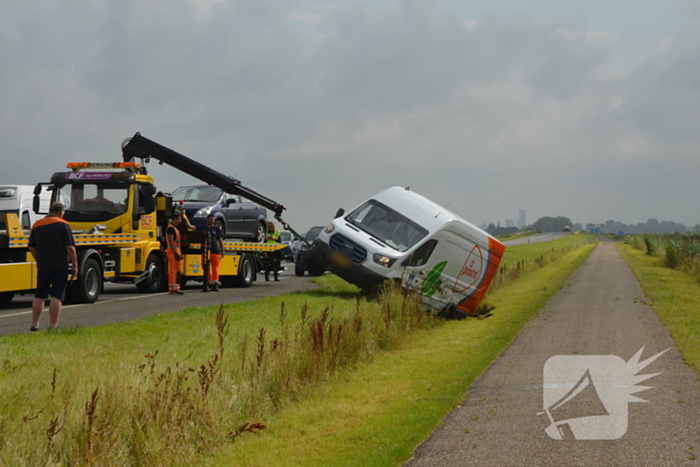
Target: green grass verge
(377, 414)
(675, 298)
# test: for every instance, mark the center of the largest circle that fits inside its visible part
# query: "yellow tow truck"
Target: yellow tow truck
(118, 219)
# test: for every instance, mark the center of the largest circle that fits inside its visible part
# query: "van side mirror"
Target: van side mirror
(230, 201)
(339, 213)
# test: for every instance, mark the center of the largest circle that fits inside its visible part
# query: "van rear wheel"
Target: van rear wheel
(449, 312)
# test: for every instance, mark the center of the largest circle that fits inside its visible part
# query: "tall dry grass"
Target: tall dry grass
(161, 413)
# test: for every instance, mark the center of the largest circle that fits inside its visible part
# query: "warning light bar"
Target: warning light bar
(103, 165)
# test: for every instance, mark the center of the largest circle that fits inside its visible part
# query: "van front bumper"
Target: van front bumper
(356, 274)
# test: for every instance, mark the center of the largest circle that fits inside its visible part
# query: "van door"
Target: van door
(435, 269)
(418, 266)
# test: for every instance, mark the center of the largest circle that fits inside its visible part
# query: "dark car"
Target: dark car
(301, 255)
(235, 216)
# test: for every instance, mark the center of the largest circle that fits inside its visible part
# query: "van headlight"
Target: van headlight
(384, 260)
(329, 228)
(204, 212)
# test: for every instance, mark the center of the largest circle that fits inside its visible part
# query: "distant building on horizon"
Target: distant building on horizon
(510, 223)
(522, 222)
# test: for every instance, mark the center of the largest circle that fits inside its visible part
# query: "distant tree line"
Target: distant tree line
(650, 226)
(497, 230)
(552, 224)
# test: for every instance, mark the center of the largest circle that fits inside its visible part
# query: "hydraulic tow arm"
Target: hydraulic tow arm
(143, 148)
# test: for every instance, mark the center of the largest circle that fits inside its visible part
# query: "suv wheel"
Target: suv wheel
(222, 226)
(260, 233)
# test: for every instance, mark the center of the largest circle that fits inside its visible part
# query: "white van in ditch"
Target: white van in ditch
(18, 199)
(401, 235)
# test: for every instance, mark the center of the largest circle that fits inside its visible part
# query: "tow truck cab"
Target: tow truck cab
(119, 201)
(117, 219)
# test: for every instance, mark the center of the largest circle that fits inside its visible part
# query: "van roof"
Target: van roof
(420, 209)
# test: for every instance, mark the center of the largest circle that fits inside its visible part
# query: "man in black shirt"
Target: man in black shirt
(51, 243)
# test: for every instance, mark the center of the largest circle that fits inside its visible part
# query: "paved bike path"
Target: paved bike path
(601, 311)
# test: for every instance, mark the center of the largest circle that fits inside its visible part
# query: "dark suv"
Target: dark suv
(301, 254)
(235, 216)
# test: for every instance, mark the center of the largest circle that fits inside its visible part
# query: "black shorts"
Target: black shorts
(51, 282)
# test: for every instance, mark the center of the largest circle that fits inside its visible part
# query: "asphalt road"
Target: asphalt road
(536, 238)
(120, 303)
(600, 312)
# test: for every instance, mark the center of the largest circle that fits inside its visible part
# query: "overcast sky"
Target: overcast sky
(586, 109)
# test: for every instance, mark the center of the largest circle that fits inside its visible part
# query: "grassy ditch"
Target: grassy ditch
(675, 296)
(177, 387)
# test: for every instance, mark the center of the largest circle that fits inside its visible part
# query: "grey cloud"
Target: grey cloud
(495, 117)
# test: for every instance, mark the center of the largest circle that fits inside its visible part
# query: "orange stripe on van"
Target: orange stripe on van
(496, 250)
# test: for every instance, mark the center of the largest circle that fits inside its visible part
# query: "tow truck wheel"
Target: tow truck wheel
(88, 285)
(6, 297)
(298, 270)
(246, 272)
(155, 278)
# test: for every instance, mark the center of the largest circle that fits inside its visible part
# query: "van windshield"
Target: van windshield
(386, 225)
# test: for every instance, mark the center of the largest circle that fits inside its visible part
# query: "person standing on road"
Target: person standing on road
(273, 236)
(51, 244)
(174, 254)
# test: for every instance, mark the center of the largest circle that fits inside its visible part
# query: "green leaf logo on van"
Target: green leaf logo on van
(432, 282)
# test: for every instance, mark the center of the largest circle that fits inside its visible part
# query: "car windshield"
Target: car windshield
(200, 194)
(386, 225)
(313, 233)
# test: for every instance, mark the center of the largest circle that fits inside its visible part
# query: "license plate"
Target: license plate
(341, 260)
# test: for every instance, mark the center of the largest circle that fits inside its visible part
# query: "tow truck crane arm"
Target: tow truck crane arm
(143, 148)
